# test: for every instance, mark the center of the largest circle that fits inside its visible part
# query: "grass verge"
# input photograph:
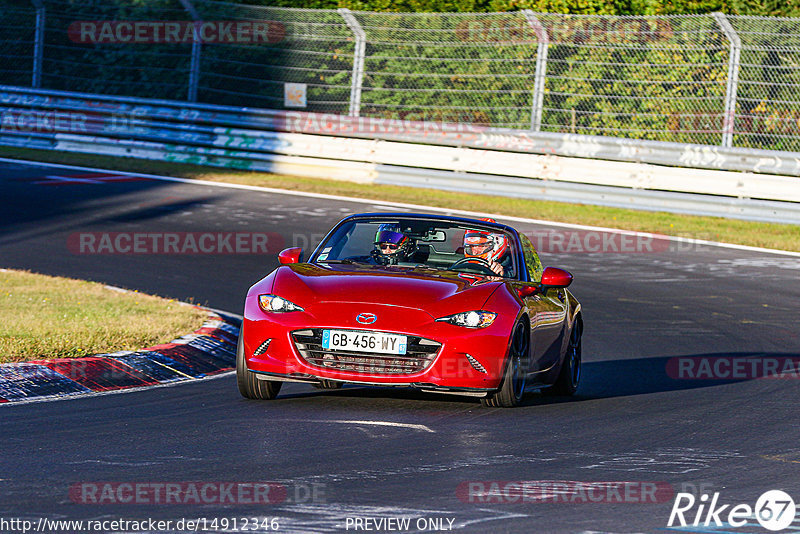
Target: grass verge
(757, 234)
(46, 317)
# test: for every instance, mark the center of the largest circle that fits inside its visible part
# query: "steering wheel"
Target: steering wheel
(480, 264)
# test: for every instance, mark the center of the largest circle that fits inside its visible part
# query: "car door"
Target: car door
(546, 312)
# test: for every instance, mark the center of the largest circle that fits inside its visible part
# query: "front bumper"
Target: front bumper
(422, 386)
(468, 361)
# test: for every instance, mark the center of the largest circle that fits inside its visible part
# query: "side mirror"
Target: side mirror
(290, 255)
(555, 277)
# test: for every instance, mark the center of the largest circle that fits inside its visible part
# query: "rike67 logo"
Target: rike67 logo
(774, 510)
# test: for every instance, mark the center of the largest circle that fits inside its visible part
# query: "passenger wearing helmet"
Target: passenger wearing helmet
(392, 245)
(486, 247)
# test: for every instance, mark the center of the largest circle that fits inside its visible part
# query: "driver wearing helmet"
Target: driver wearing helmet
(392, 245)
(486, 247)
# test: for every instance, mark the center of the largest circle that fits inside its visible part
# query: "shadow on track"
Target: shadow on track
(600, 380)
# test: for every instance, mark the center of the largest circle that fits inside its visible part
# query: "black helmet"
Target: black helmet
(392, 245)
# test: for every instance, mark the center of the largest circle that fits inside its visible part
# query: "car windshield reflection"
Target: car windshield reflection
(422, 244)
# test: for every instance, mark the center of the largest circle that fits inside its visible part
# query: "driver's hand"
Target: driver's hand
(496, 268)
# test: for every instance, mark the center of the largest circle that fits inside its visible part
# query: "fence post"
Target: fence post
(733, 78)
(194, 66)
(539, 76)
(358, 60)
(38, 44)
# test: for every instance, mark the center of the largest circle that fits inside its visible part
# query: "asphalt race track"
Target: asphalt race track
(372, 454)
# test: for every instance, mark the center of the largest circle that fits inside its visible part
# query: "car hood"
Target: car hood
(436, 292)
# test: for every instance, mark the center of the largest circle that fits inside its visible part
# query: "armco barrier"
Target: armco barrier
(505, 162)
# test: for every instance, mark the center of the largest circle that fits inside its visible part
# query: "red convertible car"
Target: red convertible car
(442, 304)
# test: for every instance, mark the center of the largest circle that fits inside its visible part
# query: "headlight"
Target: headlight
(274, 303)
(470, 319)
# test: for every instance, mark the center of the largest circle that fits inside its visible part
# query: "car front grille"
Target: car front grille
(420, 353)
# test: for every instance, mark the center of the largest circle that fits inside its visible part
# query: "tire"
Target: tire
(249, 385)
(570, 375)
(512, 389)
(327, 384)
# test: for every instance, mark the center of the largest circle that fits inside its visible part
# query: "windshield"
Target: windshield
(420, 243)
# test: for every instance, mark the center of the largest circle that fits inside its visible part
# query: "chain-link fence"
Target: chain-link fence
(708, 79)
(18, 42)
(768, 98)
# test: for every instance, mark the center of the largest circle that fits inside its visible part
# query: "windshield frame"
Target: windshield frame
(517, 257)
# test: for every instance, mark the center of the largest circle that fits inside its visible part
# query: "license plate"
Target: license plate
(364, 341)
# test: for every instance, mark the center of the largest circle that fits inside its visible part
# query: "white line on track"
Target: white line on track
(406, 206)
(360, 422)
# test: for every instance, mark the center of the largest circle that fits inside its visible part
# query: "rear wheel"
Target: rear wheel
(513, 388)
(570, 375)
(249, 385)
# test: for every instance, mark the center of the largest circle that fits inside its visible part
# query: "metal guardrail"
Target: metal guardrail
(618, 197)
(136, 117)
(452, 156)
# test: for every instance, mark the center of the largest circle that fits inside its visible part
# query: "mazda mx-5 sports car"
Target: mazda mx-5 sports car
(442, 304)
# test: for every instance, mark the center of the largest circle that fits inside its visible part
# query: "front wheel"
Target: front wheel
(249, 385)
(513, 388)
(570, 375)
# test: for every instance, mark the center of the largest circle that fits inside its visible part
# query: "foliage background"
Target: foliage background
(420, 67)
(775, 8)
